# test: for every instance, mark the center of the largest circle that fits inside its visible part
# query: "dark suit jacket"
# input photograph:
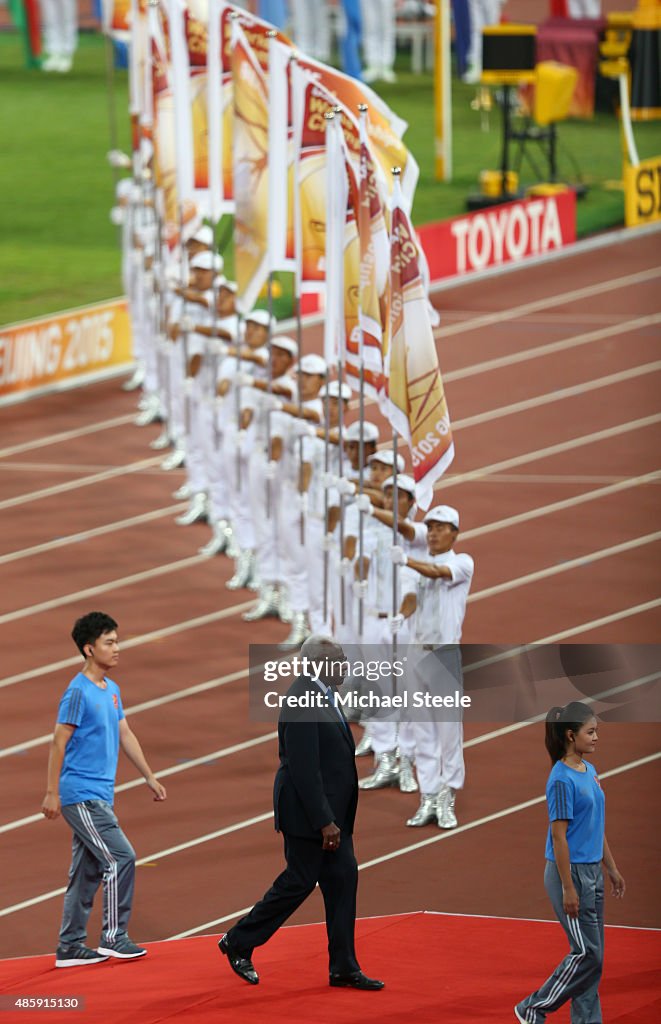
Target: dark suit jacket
(316, 782)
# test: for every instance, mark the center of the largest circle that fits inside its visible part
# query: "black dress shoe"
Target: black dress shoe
(355, 980)
(241, 965)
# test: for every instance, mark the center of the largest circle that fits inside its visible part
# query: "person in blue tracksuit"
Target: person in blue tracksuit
(577, 851)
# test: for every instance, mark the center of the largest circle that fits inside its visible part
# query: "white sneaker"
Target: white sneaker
(183, 493)
(64, 65)
(371, 74)
(197, 509)
(388, 75)
(51, 63)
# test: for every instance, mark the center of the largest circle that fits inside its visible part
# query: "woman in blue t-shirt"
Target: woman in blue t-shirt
(576, 849)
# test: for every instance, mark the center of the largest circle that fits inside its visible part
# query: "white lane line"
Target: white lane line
(573, 563)
(445, 483)
(551, 397)
(402, 851)
(136, 641)
(605, 620)
(545, 453)
(102, 588)
(49, 467)
(67, 435)
(164, 773)
(565, 503)
(86, 481)
(260, 818)
(515, 312)
(213, 684)
(621, 331)
(97, 531)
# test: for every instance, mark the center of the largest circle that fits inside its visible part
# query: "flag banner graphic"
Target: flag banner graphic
(416, 404)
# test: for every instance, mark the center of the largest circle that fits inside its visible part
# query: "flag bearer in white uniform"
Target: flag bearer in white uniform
(222, 339)
(257, 406)
(235, 532)
(201, 241)
(379, 625)
(322, 512)
(198, 304)
(444, 580)
(289, 432)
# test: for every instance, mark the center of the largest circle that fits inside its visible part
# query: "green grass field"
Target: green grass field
(57, 246)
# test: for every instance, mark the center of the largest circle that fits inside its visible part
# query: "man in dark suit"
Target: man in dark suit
(315, 797)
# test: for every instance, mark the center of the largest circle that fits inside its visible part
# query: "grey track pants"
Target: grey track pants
(100, 853)
(577, 977)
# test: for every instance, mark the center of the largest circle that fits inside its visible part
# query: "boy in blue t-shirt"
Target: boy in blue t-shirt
(82, 765)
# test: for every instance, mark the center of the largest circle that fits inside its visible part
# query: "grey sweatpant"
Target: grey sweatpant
(100, 853)
(577, 977)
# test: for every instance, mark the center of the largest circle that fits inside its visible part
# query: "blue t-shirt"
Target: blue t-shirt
(90, 758)
(577, 797)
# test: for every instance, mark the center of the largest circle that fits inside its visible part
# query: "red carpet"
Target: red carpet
(438, 969)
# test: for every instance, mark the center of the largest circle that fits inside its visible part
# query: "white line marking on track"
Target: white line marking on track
(551, 397)
(402, 851)
(102, 588)
(97, 531)
(86, 481)
(515, 312)
(260, 818)
(573, 563)
(67, 435)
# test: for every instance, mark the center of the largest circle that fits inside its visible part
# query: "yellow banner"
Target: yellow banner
(55, 349)
(642, 192)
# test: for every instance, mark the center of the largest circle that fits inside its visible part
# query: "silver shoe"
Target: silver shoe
(175, 459)
(300, 631)
(285, 614)
(407, 780)
(243, 570)
(183, 493)
(216, 545)
(386, 774)
(134, 382)
(161, 442)
(197, 510)
(426, 812)
(232, 549)
(445, 815)
(150, 414)
(266, 607)
(364, 745)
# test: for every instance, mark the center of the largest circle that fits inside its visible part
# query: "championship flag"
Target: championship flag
(416, 405)
(373, 249)
(337, 194)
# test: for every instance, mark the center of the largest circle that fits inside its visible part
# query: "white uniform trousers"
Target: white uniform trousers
(291, 552)
(236, 467)
(59, 19)
(214, 455)
(382, 731)
(439, 756)
(379, 33)
(176, 405)
(265, 526)
(314, 556)
(311, 28)
(198, 433)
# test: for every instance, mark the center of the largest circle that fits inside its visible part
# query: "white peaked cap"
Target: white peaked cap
(261, 317)
(288, 344)
(370, 432)
(207, 261)
(443, 514)
(386, 457)
(203, 235)
(313, 364)
(332, 389)
(404, 483)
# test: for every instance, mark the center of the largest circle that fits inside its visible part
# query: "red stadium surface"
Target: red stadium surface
(552, 376)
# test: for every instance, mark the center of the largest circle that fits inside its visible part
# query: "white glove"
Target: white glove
(275, 405)
(328, 480)
(345, 487)
(346, 569)
(189, 386)
(117, 216)
(215, 347)
(328, 543)
(363, 504)
(244, 380)
(187, 324)
(242, 442)
(360, 589)
(172, 280)
(272, 469)
(395, 622)
(310, 430)
(302, 502)
(116, 158)
(397, 555)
